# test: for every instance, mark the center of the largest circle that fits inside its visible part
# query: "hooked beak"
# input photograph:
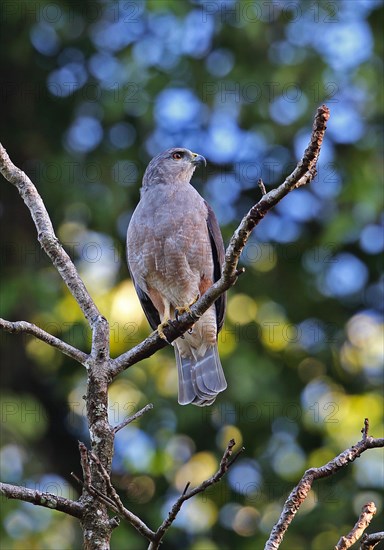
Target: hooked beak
(198, 159)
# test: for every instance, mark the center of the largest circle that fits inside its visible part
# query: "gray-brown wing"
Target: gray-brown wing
(149, 309)
(218, 254)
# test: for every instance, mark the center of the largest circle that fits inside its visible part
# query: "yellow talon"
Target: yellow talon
(187, 308)
(160, 330)
(182, 309)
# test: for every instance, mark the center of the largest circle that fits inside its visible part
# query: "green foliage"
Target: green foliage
(92, 91)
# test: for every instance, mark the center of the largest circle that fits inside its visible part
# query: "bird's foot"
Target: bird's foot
(160, 330)
(187, 308)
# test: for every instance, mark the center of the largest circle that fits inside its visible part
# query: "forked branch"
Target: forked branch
(304, 172)
(226, 462)
(365, 518)
(114, 503)
(300, 492)
(102, 369)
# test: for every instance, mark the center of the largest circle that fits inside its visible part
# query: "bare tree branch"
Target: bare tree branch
(225, 463)
(95, 492)
(368, 542)
(365, 518)
(261, 185)
(95, 521)
(46, 236)
(365, 428)
(109, 495)
(23, 327)
(130, 419)
(300, 492)
(87, 483)
(47, 500)
(96, 524)
(112, 500)
(304, 172)
(118, 506)
(97, 487)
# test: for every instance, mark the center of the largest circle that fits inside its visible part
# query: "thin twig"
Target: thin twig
(365, 429)
(117, 504)
(186, 488)
(104, 498)
(87, 484)
(300, 492)
(23, 327)
(112, 500)
(304, 172)
(135, 416)
(365, 518)
(76, 478)
(47, 500)
(225, 463)
(92, 490)
(261, 185)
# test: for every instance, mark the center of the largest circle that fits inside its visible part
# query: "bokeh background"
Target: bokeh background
(90, 91)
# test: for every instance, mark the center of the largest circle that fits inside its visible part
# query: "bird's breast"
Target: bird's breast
(168, 240)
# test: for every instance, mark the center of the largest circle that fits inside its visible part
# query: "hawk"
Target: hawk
(175, 251)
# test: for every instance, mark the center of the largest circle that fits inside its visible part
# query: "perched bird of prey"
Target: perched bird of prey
(175, 252)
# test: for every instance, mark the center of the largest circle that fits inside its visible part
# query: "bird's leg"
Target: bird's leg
(186, 308)
(165, 321)
(166, 318)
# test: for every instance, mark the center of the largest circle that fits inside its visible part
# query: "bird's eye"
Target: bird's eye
(177, 156)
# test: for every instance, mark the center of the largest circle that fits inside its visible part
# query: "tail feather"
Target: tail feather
(200, 379)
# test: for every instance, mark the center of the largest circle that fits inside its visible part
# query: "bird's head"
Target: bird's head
(173, 166)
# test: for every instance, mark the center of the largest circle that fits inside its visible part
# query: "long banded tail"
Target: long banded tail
(200, 379)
